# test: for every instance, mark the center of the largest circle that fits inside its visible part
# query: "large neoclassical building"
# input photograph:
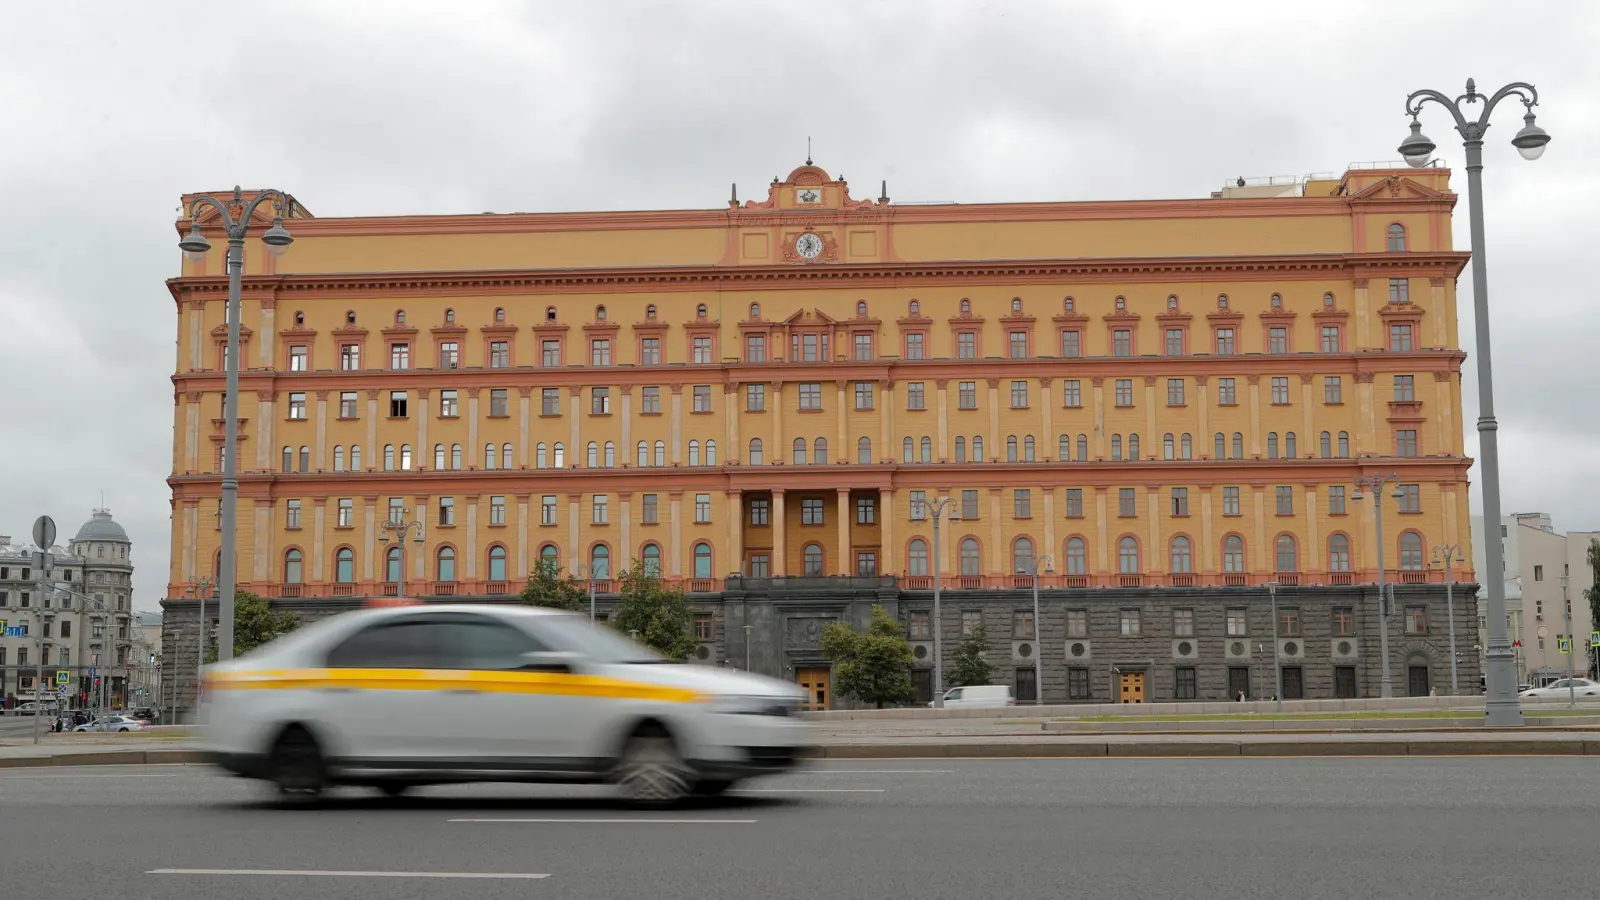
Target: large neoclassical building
(1162, 405)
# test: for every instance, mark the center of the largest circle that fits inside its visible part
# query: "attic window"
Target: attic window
(349, 317)
(1327, 301)
(1277, 301)
(599, 313)
(1222, 301)
(499, 314)
(1122, 304)
(549, 313)
(650, 311)
(1172, 301)
(966, 305)
(1016, 304)
(449, 316)
(399, 317)
(299, 318)
(861, 308)
(916, 308)
(700, 311)
(755, 310)
(1068, 304)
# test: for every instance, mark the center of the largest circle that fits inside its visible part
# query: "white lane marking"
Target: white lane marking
(807, 791)
(873, 772)
(346, 874)
(576, 821)
(75, 777)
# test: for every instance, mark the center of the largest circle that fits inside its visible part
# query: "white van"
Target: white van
(979, 695)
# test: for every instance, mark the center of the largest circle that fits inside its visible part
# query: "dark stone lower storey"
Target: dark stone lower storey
(1091, 646)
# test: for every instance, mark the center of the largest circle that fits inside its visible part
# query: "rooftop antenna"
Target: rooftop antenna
(808, 149)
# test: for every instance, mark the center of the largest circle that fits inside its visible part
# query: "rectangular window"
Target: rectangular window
(1019, 395)
(547, 509)
(755, 398)
(600, 510)
(811, 395)
(297, 405)
(1122, 342)
(1022, 503)
(966, 345)
(1538, 573)
(915, 398)
(1230, 501)
(1238, 623)
(760, 565)
(1072, 393)
(550, 353)
(1405, 388)
(971, 620)
(701, 350)
(1416, 620)
(600, 352)
(298, 358)
(350, 357)
(919, 505)
(1405, 442)
(397, 510)
(920, 627)
(1288, 622)
(449, 355)
(1400, 337)
(449, 405)
(1074, 503)
(760, 512)
(348, 408)
(1277, 339)
(702, 398)
(550, 401)
(1284, 495)
(1344, 621)
(705, 626)
(1183, 623)
(1411, 498)
(915, 346)
(497, 510)
(1180, 501)
(811, 511)
(808, 348)
(447, 510)
(499, 403)
(1072, 344)
(1128, 623)
(1336, 500)
(1022, 624)
(1018, 342)
(755, 348)
(1227, 393)
(400, 356)
(347, 513)
(291, 514)
(866, 563)
(1127, 501)
(1174, 341)
(1077, 623)
(499, 354)
(702, 508)
(1124, 392)
(1280, 391)
(863, 394)
(866, 510)
(1330, 339)
(862, 344)
(1399, 290)
(600, 401)
(969, 505)
(1332, 389)
(1175, 392)
(1078, 684)
(648, 509)
(967, 395)
(1183, 683)
(1225, 343)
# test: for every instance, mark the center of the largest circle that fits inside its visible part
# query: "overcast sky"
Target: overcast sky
(110, 111)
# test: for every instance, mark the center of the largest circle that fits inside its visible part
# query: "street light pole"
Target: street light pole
(588, 580)
(1277, 664)
(1449, 554)
(1376, 484)
(1032, 571)
(235, 215)
(199, 587)
(1572, 646)
(398, 525)
(1501, 706)
(936, 508)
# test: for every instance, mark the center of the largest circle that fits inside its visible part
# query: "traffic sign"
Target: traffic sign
(1594, 639)
(91, 671)
(14, 631)
(1565, 644)
(44, 533)
(63, 677)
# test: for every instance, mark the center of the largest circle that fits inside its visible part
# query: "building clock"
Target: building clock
(808, 246)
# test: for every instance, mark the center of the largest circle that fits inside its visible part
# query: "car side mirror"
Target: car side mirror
(550, 661)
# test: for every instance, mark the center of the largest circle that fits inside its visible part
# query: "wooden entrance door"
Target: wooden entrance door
(814, 681)
(1132, 687)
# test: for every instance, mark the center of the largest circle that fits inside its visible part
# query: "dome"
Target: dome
(101, 527)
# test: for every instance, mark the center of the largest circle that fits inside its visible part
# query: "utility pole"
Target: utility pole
(1449, 554)
(936, 508)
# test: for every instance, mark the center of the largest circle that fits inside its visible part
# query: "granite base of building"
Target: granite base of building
(1093, 646)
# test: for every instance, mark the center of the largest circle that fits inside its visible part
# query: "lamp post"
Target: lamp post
(1501, 705)
(198, 587)
(1032, 570)
(936, 508)
(1376, 484)
(1277, 664)
(747, 630)
(1572, 647)
(235, 215)
(398, 526)
(1448, 555)
(584, 572)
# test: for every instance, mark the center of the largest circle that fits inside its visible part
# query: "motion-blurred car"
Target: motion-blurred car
(1564, 688)
(111, 723)
(415, 695)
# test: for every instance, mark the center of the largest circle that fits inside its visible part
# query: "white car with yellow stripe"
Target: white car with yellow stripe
(432, 694)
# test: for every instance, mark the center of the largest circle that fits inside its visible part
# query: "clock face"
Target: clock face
(808, 245)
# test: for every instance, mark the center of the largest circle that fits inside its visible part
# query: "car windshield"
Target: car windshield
(598, 642)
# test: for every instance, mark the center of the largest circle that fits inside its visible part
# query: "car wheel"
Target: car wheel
(393, 788)
(712, 787)
(122, 730)
(650, 771)
(296, 765)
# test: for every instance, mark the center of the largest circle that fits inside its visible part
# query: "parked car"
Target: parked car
(111, 723)
(977, 695)
(1564, 688)
(412, 695)
(34, 708)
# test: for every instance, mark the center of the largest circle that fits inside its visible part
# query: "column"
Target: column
(470, 569)
(1259, 552)
(575, 551)
(522, 529)
(886, 423)
(423, 457)
(1049, 547)
(523, 404)
(626, 403)
(191, 431)
(473, 458)
(1155, 555)
(416, 554)
(374, 454)
(1200, 394)
(1098, 451)
(269, 334)
(995, 443)
(735, 545)
(889, 553)
(1312, 553)
(677, 430)
(197, 314)
(1450, 438)
(1102, 545)
(846, 566)
(625, 502)
(1360, 339)
(777, 452)
(264, 554)
(844, 452)
(1207, 540)
(1255, 413)
(1308, 437)
(1366, 437)
(944, 420)
(192, 563)
(574, 447)
(779, 534)
(1050, 447)
(321, 457)
(997, 554)
(675, 539)
(946, 537)
(319, 538)
(1152, 436)
(264, 457)
(1440, 308)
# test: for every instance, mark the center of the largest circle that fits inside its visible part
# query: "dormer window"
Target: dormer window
(1277, 301)
(1016, 304)
(499, 313)
(599, 313)
(700, 311)
(915, 308)
(549, 313)
(449, 316)
(966, 306)
(299, 318)
(1222, 301)
(399, 317)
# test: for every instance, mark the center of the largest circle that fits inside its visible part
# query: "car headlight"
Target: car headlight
(738, 705)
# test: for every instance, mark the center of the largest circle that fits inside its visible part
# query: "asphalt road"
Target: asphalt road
(958, 829)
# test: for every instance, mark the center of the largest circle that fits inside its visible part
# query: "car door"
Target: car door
(500, 713)
(378, 691)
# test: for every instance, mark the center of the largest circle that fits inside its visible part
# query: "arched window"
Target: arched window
(966, 306)
(1011, 448)
(600, 562)
(861, 308)
(1338, 553)
(700, 311)
(1344, 444)
(338, 458)
(499, 313)
(344, 566)
(399, 317)
(812, 559)
(490, 456)
(293, 567)
(559, 456)
(1411, 551)
(611, 455)
(1172, 301)
(1064, 447)
(1083, 448)
(652, 560)
(650, 311)
(550, 557)
(599, 313)
(497, 563)
(540, 461)
(1288, 446)
(1116, 446)
(549, 313)
(1182, 555)
(1068, 304)
(1133, 446)
(1016, 304)
(1272, 445)
(1027, 448)
(1169, 447)
(1284, 554)
(1238, 445)
(1128, 555)
(961, 449)
(405, 457)
(305, 459)
(977, 448)
(917, 557)
(1233, 553)
(694, 453)
(1397, 238)
(908, 452)
(756, 455)
(702, 560)
(1327, 300)
(864, 450)
(642, 455)
(455, 456)
(391, 566)
(1219, 449)
(1121, 303)
(1277, 301)
(711, 453)
(355, 457)
(819, 451)
(449, 316)
(288, 459)
(661, 453)
(755, 310)
(1022, 556)
(1186, 447)
(1077, 556)
(1222, 301)
(971, 561)
(1326, 445)
(799, 451)
(446, 564)
(594, 454)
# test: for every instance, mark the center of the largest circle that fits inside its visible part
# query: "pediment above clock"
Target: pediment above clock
(1397, 187)
(809, 187)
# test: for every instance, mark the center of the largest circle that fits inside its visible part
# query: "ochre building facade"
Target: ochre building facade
(1161, 405)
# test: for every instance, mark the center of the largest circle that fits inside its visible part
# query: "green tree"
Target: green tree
(1593, 593)
(547, 586)
(971, 664)
(874, 667)
(254, 624)
(660, 614)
